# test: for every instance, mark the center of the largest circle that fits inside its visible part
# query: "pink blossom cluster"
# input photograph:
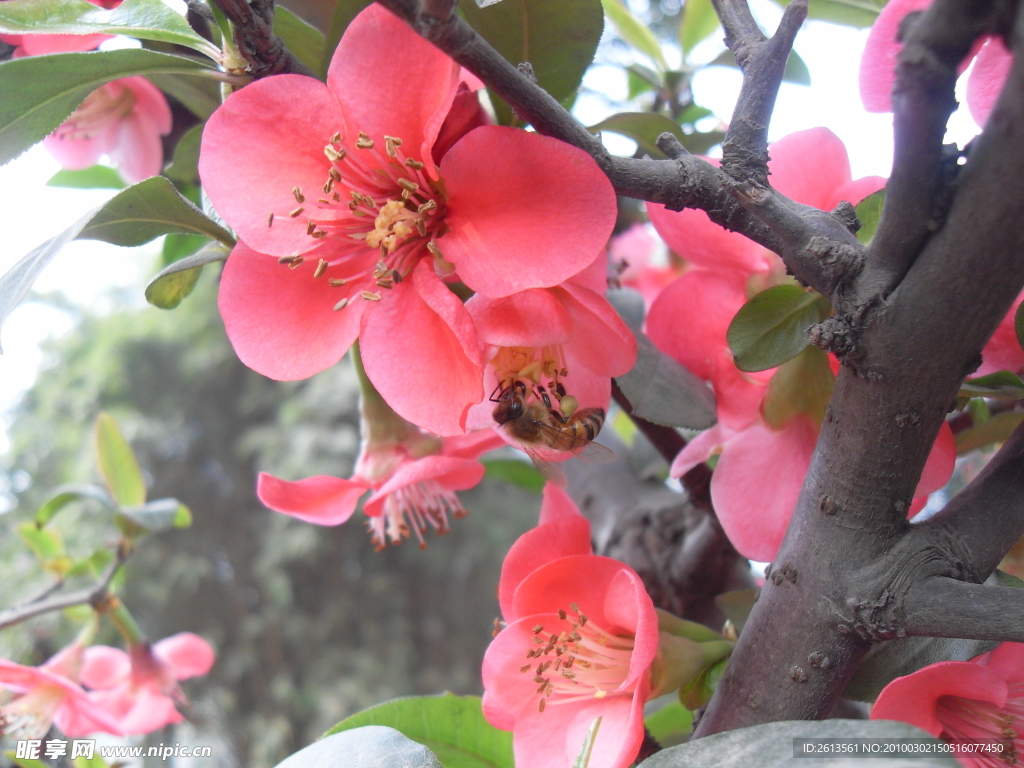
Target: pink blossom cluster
(102, 689)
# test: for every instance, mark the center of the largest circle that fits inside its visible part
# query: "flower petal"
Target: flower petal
(150, 712)
(985, 83)
(555, 506)
(138, 152)
(39, 45)
(1007, 661)
(854, 191)
(390, 81)
(419, 334)
(598, 334)
(808, 165)
(941, 460)
(79, 716)
(626, 605)
(581, 579)
(524, 210)
(472, 444)
(1003, 352)
(104, 667)
(698, 450)
(263, 141)
(531, 318)
(700, 241)
(509, 692)
(187, 654)
(452, 473)
(878, 62)
(279, 320)
(756, 484)
(321, 500)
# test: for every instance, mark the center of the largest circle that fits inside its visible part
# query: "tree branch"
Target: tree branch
(949, 608)
(91, 595)
(255, 38)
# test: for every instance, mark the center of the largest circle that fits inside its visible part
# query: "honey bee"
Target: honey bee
(537, 425)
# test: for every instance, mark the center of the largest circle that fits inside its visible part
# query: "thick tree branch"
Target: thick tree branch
(255, 38)
(917, 194)
(949, 608)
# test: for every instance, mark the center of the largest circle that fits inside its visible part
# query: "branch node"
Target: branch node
(836, 335)
(526, 69)
(847, 215)
(669, 144)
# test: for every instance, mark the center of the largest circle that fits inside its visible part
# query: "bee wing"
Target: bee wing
(552, 472)
(595, 453)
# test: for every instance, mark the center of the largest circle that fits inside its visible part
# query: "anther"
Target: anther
(332, 154)
(310, 227)
(270, 219)
(341, 305)
(296, 212)
(323, 200)
(371, 296)
(396, 276)
(538, 629)
(295, 262)
(319, 235)
(321, 267)
(286, 260)
(562, 614)
(540, 707)
(328, 186)
(434, 250)
(336, 137)
(421, 227)
(427, 206)
(405, 194)
(364, 141)
(335, 282)
(335, 174)
(412, 186)
(297, 193)
(416, 165)
(525, 668)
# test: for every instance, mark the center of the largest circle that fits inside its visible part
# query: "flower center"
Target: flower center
(540, 368)
(968, 720)
(375, 198)
(101, 108)
(411, 509)
(576, 659)
(29, 716)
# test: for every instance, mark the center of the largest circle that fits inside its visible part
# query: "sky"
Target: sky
(85, 270)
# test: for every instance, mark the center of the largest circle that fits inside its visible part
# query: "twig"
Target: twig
(254, 35)
(91, 595)
(949, 608)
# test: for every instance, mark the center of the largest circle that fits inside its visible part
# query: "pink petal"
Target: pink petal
(150, 101)
(580, 579)
(739, 395)
(465, 114)
(556, 506)
(756, 484)
(472, 444)
(104, 667)
(808, 165)
(537, 547)
(854, 191)
(531, 318)
(187, 654)
(264, 140)
(689, 320)
(912, 699)
(495, 712)
(79, 716)
(150, 712)
(77, 153)
(322, 500)
(939, 467)
(628, 605)
(509, 692)
(452, 473)
(420, 333)
(985, 83)
(700, 241)
(37, 45)
(280, 320)
(878, 62)
(1007, 661)
(698, 450)
(138, 153)
(524, 210)
(1003, 352)
(21, 679)
(390, 81)
(598, 334)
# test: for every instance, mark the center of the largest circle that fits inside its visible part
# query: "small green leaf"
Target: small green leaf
(643, 79)
(869, 211)
(1002, 385)
(37, 93)
(643, 127)
(65, 494)
(160, 514)
(117, 463)
(90, 762)
(849, 13)
(635, 32)
(92, 565)
(587, 747)
(559, 39)
(1018, 323)
(801, 385)
(699, 691)
(995, 430)
(515, 472)
(184, 166)
(141, 19)
(737, 605)
(24, 762)
(302, 38)
(201, 95)
(700, 142)
(699, 21)
(97, 177)
(45, 542)
(344, 12)
(669, 723)
(177, 247)
(796, 71)
(173, 283)
(771, 328)
(453, 727)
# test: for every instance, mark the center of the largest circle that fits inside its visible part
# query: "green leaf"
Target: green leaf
(372, 746)
(559, 39)
(995, 430)
(643, 127)
(177, 247)
(737, 605)
(65, 494)
(669, 723)
(771, 328)
(1002, 385)
(173, 283)
(699, 21)
(117, 464)
(635, 32)
(453, 727)
(23, 762)
(302, 38)
(801, 385)
(848, 13)
(142, 19)
(160, 515)
(97, 177)
(201, 95)
(46, 543)
(699, 142)
(90, 762)
(184, 166)
(643, 79)
(515, 472)
(92, 565)
(344, 12)
(869, 211)
(1018, 323)
(796, 71)
(37, 93)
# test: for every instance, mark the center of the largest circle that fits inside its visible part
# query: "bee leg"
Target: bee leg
(496, 394)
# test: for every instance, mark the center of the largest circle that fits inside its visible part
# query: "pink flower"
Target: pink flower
(1003, 351)
(582, 635)
(878, 64)
(964, 701)
(413, 478)
(37, 45)
(689, 320)
(631, 255)
(123, 119)
(567, 337)
(50, 694)
(140, 688)
(368, 190)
